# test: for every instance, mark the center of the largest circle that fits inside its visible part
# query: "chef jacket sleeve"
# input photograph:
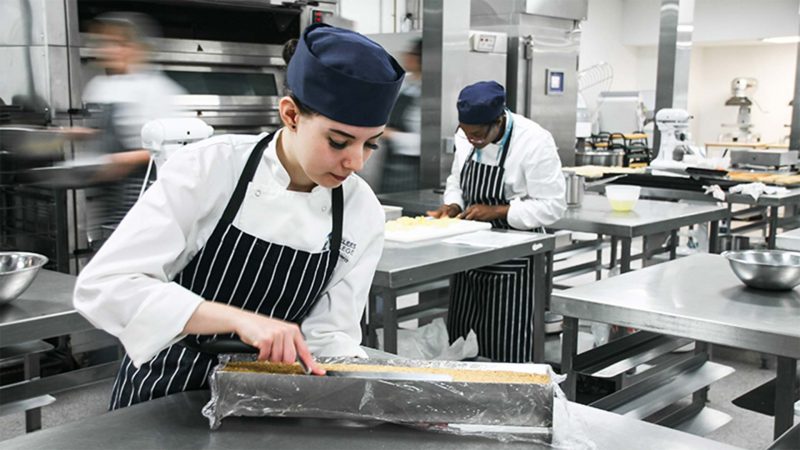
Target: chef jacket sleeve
(544, 201)
(333, 327)
(126, 289)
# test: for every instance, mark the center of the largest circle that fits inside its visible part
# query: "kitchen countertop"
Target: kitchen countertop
(175, 422)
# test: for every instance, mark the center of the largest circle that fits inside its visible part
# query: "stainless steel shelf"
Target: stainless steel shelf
(677, 388)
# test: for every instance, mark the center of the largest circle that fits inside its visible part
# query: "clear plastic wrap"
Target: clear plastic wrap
(503, 411)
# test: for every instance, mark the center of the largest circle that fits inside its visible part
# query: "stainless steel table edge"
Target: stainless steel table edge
(175, 422)
(633, 231)
(701, 330)
(418, 274)
(43, 327)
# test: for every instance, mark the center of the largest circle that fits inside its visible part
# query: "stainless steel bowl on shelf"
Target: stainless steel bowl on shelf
(775, 270)
(17, 271)
(608, 158)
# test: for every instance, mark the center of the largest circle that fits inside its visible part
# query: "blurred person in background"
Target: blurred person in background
(127, 95)
(402, 134)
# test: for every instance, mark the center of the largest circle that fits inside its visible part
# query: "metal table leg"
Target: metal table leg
(713, 237)
(598, 274)
(772, 231)
(625, 255)
(613, 260)
(389, 321)
(372, 318)
(33, 417)
(673, 244)
(540, 300)
(62, 230)
(784, 395)
(569, 349)
(701, 397)
(549, 257)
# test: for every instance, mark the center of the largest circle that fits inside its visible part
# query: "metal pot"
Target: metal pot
(609, 158)
(576, 185)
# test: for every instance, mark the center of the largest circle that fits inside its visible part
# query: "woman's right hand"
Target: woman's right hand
(450, 210)
(277, 340)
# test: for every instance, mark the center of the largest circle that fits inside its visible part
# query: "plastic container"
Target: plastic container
(622, 197)
(392, 212)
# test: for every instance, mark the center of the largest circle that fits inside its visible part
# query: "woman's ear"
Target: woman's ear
(289, 112)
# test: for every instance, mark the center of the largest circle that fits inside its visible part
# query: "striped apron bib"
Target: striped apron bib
(494, 301)
(242, 271)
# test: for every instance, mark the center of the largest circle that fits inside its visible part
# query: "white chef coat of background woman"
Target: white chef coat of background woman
(129, 279)
(533, 181)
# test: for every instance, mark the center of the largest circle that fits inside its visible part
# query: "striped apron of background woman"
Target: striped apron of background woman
(243, 271)
(494, 301)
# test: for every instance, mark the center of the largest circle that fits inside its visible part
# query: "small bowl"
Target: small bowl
(17, 271)
(774, 270)
(622, 197)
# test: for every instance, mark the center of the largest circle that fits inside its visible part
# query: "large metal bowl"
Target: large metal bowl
(776, 270)
(17, 271)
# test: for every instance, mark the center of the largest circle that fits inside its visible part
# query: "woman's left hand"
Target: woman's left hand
(485, 213)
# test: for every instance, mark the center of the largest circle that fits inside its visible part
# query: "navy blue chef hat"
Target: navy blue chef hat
(344, 76)
(481, 103)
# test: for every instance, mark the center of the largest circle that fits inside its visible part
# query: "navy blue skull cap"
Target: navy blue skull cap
(344, 76)
(481, 103)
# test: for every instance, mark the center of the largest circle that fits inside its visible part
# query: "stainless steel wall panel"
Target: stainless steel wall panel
(565, 9)
(537, 43)
(22, 22)
(58, 80)
(25, 74)
(794, 137)
(445, 44)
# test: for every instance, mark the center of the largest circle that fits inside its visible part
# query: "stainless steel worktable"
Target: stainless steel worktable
(771, 202)
(648, 217)
(697, 297)
(403, 266)
(44, 310)
(595, 216)
(175, 422)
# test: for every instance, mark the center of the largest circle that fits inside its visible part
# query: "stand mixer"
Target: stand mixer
(165, 136)
(676, 151)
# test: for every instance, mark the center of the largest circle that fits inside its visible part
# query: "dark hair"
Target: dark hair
(288, 50)
(302, 107)
(136, 27)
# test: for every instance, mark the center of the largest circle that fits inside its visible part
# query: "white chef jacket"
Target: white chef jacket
(127, 288)
(533, 182)
(408, 142)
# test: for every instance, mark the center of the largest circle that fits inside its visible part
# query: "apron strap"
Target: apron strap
(337, 199)
(502, 162)
(503, 151)
(244, 179)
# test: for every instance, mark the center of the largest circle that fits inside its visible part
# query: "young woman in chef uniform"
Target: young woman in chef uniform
(268, 238)
(506, 171)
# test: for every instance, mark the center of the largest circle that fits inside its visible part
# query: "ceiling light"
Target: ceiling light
(782, 40)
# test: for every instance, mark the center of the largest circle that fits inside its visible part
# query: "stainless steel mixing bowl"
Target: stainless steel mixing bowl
(776, 270)
(17, 271)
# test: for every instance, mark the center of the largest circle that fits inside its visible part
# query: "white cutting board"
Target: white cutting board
(423, 233)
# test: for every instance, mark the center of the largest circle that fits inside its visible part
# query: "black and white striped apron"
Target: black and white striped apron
(240, 270)
(494, 301)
